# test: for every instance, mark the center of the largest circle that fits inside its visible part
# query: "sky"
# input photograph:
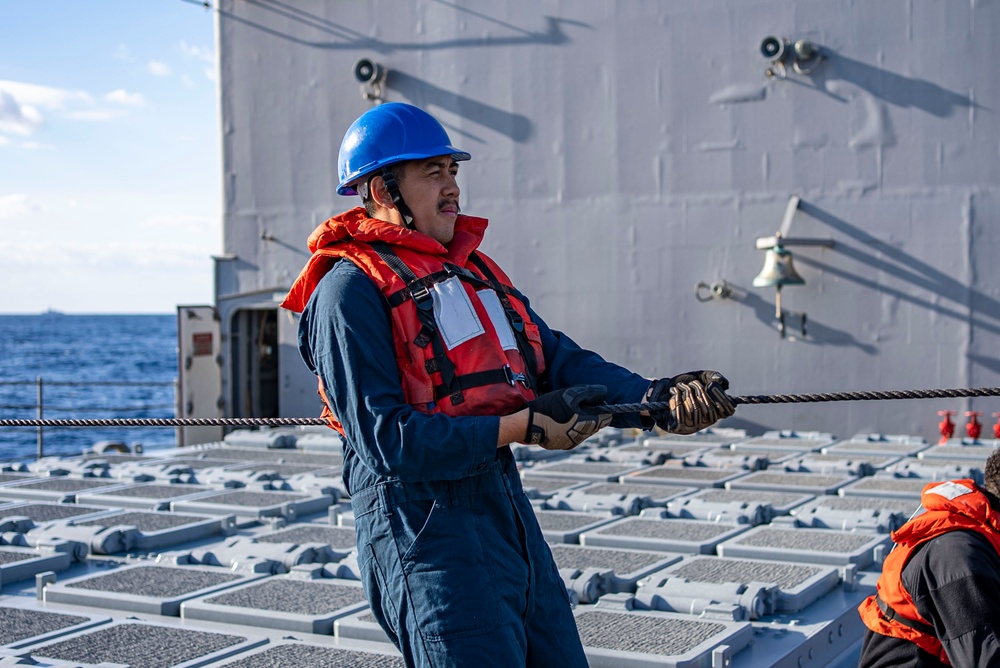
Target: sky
(110, 174)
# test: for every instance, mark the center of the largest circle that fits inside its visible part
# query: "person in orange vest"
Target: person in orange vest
(938, 599)
(430, 363)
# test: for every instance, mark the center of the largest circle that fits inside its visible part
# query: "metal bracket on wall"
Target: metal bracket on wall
(721, 289)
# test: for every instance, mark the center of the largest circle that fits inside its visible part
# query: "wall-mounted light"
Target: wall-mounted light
(804, 56)
(372, 77)
(778, 269)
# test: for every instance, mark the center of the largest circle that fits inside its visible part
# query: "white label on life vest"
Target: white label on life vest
(950, 490)
(491, 302)
(453, 311)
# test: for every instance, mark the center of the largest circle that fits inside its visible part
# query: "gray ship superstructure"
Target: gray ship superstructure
(637, 161)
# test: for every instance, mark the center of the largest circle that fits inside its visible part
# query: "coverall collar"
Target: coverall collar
(355, 224)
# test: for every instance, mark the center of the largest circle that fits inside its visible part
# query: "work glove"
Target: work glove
(557, 421)
(697, 400)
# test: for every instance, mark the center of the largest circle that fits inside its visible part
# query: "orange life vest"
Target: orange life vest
(950, 506)
(479, 376)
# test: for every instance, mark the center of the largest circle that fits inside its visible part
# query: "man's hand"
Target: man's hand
(557, 421)
(697, 400)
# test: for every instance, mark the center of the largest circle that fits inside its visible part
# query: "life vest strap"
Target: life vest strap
(491, 377)
(389, 256)
(516, 322)
(894, 616)
(428, 331)
(425, 335)
(417, 288)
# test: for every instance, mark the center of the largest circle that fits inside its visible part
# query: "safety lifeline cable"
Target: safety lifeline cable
(601, 408)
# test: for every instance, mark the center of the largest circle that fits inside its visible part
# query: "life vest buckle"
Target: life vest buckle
(516, 319)
(513, 377)
(421, 295)
(452, 269)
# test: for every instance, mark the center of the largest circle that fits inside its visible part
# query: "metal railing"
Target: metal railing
(40, 406)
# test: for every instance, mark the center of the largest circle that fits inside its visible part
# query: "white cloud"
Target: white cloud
(122, 52)
(206, 54)
(13, 205)
(36, 146)
(17, 205)
(187, 81)
(99, 115)
(178, 222)
(20, 105)
(16, 118)
(4, 141)
(122, 255)
(159, 68)
(45, 97)
(121, 96)
(116, 277)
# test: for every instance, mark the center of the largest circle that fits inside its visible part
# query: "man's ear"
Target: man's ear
(379, 193)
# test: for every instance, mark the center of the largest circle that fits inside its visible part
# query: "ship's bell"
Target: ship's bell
(778, 270)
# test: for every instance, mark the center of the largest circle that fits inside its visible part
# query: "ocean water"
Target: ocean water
(84, 350)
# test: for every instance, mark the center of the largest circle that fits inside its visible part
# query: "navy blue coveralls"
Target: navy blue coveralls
(452, 558)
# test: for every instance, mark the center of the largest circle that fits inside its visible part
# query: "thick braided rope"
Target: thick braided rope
(167, 422)
(602, 408)
(817, 398)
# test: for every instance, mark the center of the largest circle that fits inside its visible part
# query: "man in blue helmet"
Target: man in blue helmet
(430, 363)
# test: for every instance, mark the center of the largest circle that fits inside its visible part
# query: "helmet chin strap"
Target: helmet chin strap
(393, 188)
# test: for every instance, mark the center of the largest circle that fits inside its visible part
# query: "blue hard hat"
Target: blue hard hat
(391, 132)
